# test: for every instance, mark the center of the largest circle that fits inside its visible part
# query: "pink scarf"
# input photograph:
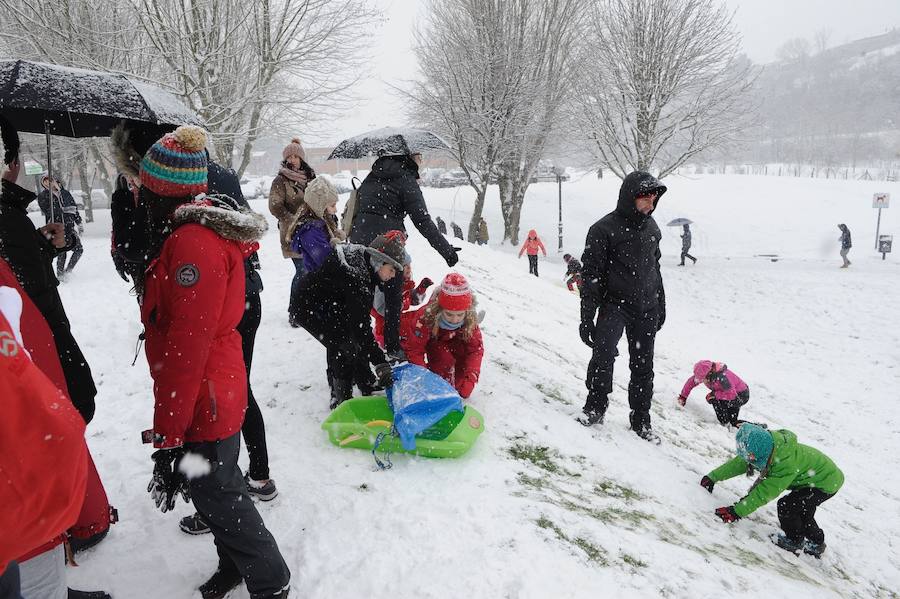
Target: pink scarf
(295, 176)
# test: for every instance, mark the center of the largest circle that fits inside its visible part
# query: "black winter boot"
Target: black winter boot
(341, 391)
(220, 584)
(73, 594)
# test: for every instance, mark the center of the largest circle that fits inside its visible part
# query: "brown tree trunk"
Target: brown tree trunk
(476, 214)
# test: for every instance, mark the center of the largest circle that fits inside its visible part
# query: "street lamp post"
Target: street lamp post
(559, 172)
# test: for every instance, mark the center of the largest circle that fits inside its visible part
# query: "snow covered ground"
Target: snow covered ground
(542, 507)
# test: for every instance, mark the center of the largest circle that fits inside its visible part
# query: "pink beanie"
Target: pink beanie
(295, 148)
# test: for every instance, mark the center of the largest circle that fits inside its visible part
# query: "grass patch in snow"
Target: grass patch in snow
(592, 552)
(540, 455)
(552, 393)
(633, 561)
(609, 488)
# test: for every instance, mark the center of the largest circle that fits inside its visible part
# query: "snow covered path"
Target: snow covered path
(541, 506)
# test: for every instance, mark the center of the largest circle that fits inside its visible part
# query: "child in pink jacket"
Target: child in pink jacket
(532, 245)
(727, 391)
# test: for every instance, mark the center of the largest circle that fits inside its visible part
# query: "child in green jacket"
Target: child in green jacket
(784, 464)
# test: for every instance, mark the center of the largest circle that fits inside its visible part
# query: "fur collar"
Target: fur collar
(127, 159)
(236, 225)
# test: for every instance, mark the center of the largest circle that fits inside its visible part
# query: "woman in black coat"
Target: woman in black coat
(385, 198)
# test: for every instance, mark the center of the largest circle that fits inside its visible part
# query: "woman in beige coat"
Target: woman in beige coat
(286, 200)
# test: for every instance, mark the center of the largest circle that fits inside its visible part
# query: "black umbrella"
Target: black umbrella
(388, 141)
(42, 98)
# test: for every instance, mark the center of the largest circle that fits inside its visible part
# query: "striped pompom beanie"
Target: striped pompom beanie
(176, 165)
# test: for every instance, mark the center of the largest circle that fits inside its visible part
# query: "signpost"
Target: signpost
(559, 172)
(33, 168)
(880, 200)
(884, 245)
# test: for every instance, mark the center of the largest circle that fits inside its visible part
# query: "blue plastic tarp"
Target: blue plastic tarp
(419, 398)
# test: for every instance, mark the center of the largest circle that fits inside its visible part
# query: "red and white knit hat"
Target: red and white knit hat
(455, 294)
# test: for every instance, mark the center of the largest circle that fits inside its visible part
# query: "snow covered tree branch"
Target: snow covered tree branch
(662, 81)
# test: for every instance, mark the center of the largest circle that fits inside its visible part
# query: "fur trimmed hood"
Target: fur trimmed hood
(218, 214)
(127, 159)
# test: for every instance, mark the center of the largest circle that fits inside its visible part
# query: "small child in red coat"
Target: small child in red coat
(445, 337)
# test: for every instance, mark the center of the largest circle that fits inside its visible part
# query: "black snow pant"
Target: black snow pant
(797, 514)
(728, 412)
(641, 334)
(77, 250)
(243, 542)
(75, 368)
(393, 306)
(254, 428)
(9, 582)
(685, 254)
(532, 265)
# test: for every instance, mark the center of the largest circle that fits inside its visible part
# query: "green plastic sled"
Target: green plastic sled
(357, 422)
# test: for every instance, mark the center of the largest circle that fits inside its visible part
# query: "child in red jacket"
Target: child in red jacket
(445, 336)
(531, 247)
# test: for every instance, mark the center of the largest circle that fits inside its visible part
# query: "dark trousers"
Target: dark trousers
(254, 428)
(728, 412)
(77, 251)
(641, 334)
(393, 306)
(300, 272)
(684, 254)
(532, 265)
(243, 542)
(9, 582)
(797, 514)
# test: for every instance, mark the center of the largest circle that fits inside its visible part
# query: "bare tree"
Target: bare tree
(471, 85)
(663, 81)
(797, 48)
(822, 40)
(244, 65)
(495, 75)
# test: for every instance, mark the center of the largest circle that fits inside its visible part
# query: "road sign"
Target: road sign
(884, 244)
(881, 200)
(33, 168)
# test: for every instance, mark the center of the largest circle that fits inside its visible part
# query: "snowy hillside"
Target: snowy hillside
(542, 507)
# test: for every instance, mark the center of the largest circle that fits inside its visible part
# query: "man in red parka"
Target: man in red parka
(192, 299)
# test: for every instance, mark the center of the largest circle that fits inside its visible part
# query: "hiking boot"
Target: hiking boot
(787, 544)
(264, 491)
(73, 594)
(220, 583)
(79, 545)
(341, 391)
(646, 433)
(814, 549)
(193, 525)
(590, 418)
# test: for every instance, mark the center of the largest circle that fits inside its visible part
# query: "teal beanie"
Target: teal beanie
(752, 438)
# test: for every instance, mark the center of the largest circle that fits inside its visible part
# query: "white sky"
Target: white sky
(764, 25)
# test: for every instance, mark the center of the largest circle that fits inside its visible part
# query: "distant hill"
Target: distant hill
(837, 107)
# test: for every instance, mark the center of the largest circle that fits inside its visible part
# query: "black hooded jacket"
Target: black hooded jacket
(334, 303)
(30, 255)
(846, 243)
(621, 255)
(387, 195)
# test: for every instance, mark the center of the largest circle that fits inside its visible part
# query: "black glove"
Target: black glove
(424, 284)
(167, 481)
(384, 374)
(452, 258)
(586, 329)
(395, 357)
(661, 318)
(707, 483)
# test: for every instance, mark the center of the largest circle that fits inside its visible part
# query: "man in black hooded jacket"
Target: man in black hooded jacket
(623, 289)
(388, 194)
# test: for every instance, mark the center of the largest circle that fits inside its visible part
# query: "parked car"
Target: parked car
(452, 178)
(99, 198)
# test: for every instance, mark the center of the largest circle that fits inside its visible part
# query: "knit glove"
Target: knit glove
(586, 331)
(167, 482)
(727, 514)
(424, 284)
(707, 483)
(681, 400)
(384, 375)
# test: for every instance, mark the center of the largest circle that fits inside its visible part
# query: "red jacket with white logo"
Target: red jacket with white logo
(193, 300)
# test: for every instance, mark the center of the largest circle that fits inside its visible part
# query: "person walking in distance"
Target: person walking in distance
(622, 289)
(846, 244)
(686, 245)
